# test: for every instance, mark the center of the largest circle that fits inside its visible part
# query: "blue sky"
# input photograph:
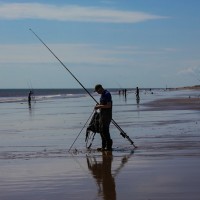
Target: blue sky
(118, 43)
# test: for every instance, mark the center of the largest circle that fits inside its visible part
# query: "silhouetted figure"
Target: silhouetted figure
(105, 107)
(151, 91)
(30, 96)
(137, 92)
(125, 92)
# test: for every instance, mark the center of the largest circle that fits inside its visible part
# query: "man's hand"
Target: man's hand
(97, 107)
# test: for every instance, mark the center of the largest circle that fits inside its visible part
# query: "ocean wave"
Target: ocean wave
(21, 95)
(38, 98)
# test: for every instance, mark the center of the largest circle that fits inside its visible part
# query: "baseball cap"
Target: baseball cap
(98, 86)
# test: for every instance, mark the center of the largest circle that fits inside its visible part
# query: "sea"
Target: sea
(36, 137)
(21, 95)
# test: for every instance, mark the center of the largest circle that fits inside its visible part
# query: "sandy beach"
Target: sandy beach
(36, 164)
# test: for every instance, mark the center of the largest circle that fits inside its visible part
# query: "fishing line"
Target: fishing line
(81, 130)
(116, 125)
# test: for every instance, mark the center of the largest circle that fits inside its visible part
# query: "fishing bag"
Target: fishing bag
(93, 128)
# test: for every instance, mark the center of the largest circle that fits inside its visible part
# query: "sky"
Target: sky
(117, 43)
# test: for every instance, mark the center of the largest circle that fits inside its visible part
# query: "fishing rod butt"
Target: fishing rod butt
(124, 135)
(132, 143)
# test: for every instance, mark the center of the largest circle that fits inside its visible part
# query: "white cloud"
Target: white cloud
(70, 53)
(190, 70)
(171, 50)
(73, 53)
(16, 11)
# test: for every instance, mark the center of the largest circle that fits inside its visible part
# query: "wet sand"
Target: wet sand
(36, 165)
(175, 104)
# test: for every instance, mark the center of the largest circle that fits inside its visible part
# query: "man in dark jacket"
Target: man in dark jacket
(105, 107)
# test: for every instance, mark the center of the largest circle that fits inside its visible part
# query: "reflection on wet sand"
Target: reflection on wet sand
(138, 101)
(31, 108)
(102, 173)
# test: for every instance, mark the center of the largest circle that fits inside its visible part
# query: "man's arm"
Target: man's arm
(100, 106)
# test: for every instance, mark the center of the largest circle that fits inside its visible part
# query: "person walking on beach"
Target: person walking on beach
(105, 107)
(137, 93)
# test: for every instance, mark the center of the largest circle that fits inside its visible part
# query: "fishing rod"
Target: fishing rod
(116, 125)
(81, 130)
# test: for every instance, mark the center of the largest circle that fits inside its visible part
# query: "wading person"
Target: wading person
(105, 107)
(137, 93)
(29, 97)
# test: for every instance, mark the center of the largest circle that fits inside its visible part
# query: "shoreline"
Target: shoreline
(195, 87)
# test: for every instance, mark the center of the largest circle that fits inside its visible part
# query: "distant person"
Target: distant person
(30, 96)
(125, 92)
(151, 91)
(137, 93)
(105, 107)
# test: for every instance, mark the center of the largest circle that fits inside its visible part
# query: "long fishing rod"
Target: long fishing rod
(116, 125)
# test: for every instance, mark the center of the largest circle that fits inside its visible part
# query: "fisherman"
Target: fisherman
(29, 96)
(105, 107)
